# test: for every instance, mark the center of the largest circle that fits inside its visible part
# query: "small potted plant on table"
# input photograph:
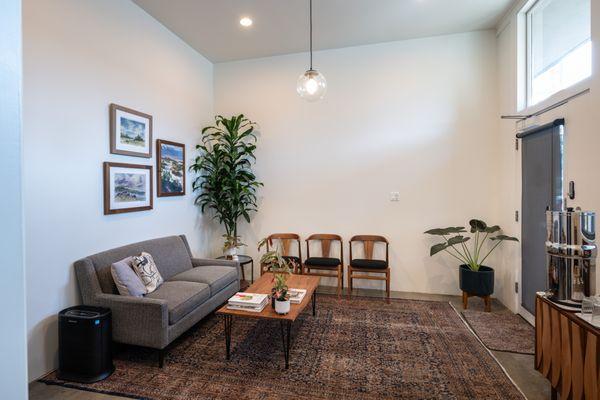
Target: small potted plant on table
(475, 278)
(281, 269)
(230, 247)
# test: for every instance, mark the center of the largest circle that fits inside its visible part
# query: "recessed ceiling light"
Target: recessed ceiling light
(245, 22)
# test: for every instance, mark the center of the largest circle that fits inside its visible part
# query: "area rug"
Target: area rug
(353, 349)
(502, 330)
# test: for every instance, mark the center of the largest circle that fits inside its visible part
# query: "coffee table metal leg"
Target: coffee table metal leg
(228, 321)
(314, 303)
(286, 339)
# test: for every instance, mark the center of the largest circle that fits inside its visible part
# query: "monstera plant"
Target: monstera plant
(226, 184)
(475, 278)
(454, 242)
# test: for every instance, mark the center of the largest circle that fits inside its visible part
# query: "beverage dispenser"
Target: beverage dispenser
(571, 255)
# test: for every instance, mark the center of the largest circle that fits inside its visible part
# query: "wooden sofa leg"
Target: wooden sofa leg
(161, 357)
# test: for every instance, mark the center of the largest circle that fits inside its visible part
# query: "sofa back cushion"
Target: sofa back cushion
(171, 255)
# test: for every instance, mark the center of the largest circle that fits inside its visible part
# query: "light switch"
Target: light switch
(394, 196)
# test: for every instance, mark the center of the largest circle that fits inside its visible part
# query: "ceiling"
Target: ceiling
(281, 26)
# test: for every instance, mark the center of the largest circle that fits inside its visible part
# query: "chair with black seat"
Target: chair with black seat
(325, 262)
(367, 265)
(285, 241)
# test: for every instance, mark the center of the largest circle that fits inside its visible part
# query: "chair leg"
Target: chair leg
(349, 282)
(387, 286)
(339, 282)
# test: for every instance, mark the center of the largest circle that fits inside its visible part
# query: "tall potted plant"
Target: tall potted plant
(474, 277)
(226, 183)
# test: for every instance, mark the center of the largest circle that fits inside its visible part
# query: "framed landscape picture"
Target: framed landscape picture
(170, 164)
(130, 132)
(127, 188)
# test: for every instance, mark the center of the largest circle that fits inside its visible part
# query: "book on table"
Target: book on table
(296, 295)
(254, 302)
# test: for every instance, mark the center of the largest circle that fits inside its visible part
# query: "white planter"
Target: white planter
(282, 307)
(231, 253)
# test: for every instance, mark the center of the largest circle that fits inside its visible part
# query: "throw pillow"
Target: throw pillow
(127, 281)
(145, 268)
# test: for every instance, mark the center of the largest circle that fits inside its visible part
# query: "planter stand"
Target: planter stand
(486, 299)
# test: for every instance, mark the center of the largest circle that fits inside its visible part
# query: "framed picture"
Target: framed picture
(170, 166)
(127, 188)
(130, 132)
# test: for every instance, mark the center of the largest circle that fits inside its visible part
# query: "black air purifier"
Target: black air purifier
(84, 344)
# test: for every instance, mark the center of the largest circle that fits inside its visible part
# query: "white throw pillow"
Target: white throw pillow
(145, 268)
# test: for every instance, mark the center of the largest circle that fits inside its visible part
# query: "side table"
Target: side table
(243, 260)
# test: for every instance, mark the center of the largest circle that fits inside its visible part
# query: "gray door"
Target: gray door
(542, 190)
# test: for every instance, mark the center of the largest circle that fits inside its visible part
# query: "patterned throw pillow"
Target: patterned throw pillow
(145, 268)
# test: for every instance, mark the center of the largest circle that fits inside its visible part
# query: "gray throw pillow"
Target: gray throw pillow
(127, 281)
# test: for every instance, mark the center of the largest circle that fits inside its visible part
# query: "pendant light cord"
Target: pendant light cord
(310, 24)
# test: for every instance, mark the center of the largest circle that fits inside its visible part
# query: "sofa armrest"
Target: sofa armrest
(205, 262)
(140, 321)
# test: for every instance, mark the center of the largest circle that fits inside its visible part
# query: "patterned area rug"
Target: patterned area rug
(357, 349)
(502, 330)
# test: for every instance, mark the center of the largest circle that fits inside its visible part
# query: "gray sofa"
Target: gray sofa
(192, 289)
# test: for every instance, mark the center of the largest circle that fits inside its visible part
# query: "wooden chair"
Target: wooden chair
(285, 240)
(368, 265)
(325, 262)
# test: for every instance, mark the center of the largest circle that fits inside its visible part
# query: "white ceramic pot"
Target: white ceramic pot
(282, 307)
(231, 253)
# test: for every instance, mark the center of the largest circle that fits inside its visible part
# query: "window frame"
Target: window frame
(526, 86)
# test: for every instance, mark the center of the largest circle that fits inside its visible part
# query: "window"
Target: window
(559, 47)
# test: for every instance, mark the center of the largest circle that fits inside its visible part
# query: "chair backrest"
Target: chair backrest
(286, 240)
(326, 239)
(369, 244)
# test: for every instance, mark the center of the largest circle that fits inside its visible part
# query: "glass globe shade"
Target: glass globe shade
(311, 85)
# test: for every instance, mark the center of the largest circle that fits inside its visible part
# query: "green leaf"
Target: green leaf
(436, 248)
(477, 225)
(458, 240)
(446, 231)
(504, 237)
(492, 229)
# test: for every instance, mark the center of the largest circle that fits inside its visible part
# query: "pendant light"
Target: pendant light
(311, 85)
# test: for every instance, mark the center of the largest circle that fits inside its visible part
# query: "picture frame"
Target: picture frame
(130, 132)
(170, 168)
(127, 188)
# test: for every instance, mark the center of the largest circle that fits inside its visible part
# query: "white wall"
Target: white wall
(417, 116)
(581, 142)
(13, 369)
(79, 56)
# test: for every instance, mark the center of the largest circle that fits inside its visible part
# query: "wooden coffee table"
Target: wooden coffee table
(264, 285)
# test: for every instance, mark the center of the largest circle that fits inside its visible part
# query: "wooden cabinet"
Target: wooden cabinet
(567, 352)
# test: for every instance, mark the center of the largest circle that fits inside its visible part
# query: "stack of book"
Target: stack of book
(252, 302)
(296, 295)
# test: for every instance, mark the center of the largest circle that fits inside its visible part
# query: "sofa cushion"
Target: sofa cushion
(181, 297)
(216, 276)
(368, 264)
(127, 281)
(170, 254)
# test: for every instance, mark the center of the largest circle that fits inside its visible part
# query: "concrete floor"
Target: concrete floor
(518, 366)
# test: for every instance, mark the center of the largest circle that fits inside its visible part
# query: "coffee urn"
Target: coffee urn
(571, 256)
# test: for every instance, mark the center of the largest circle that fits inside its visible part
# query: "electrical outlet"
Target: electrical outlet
(394, 196)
